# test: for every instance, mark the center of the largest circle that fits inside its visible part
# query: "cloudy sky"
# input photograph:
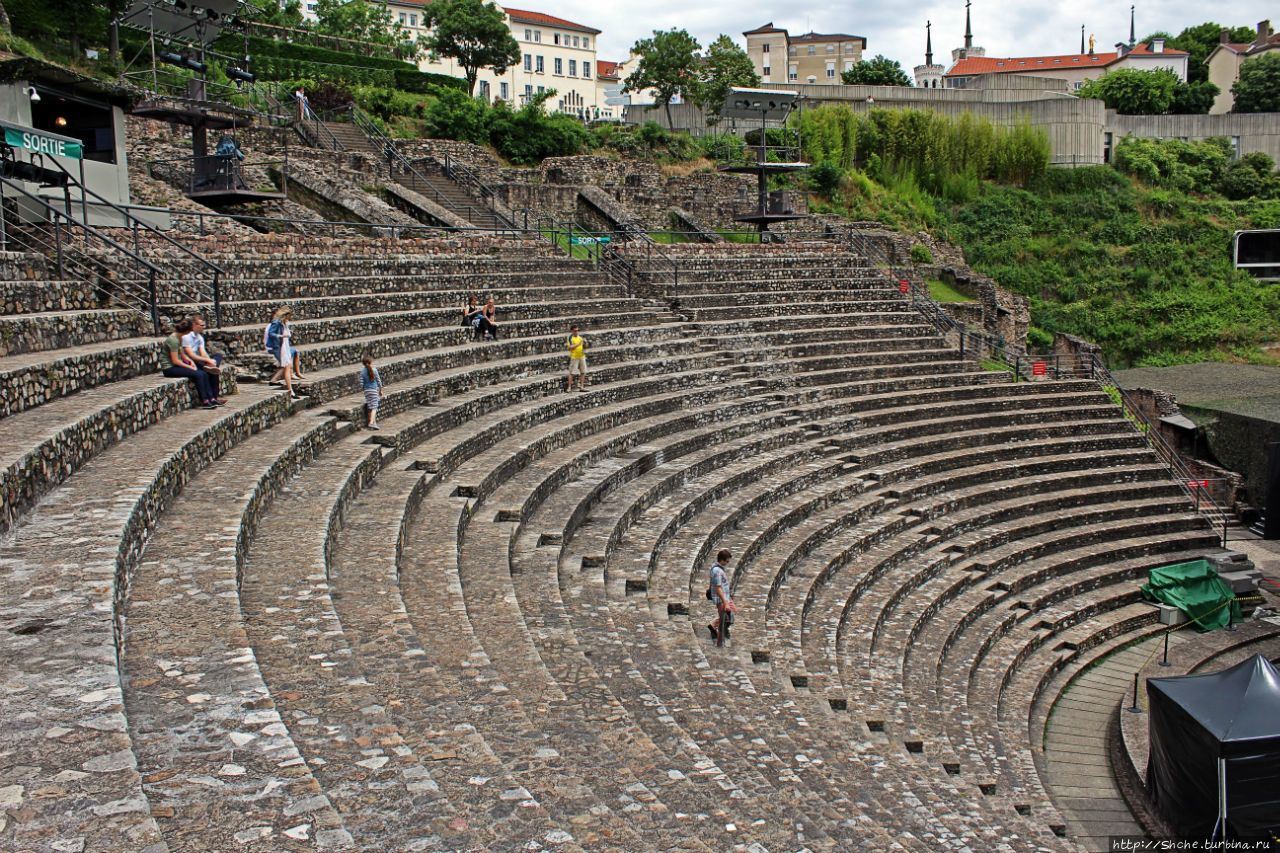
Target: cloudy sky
(1017, 28)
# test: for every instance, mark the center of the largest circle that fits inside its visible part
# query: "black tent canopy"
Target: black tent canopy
(1214, 766)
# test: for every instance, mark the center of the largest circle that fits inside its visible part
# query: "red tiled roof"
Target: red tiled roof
(1006, 65)
(767, 28)
(607, 69)
(546, 20)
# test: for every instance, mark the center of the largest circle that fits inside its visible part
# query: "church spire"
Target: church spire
(968, 28)
(1082, 38)
(928, 43)
(1132, 40)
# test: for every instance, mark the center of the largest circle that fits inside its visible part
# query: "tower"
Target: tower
(968, 50)
(929, 75)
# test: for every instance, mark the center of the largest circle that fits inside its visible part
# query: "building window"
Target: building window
(537, 35)
(528, 62)
(793, 72)
(541, 89)
(813, 79)
(831, 48)
(811, 51)
(792, 51)
(575, 41)
(1235, 148)
(528, 35)
(555, 38)
(538, 66)
(573, 68)
(848, 47)
(402, 18)
(586, 69)
(528, 92)
(765, 71)
(413, 19)
(504, 91)
(586, 42)
(484, 90)
(831, 72)
(764, 48)
(559, 67)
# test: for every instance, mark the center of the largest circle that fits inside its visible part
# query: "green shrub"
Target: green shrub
(1038, 339)
(528, 136)
(825, 177)
(457, 115)
(920, 254)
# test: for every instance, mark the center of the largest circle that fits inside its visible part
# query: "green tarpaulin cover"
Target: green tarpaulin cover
(1196, 590)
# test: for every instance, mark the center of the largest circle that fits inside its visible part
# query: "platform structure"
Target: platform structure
(772, 149)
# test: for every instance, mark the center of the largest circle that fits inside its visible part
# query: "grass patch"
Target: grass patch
(739, 236)
(940, 291)
(669, 237)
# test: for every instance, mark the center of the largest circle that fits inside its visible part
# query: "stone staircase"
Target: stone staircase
(479, 627)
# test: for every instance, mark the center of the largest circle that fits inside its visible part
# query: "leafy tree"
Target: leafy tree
(528, 135)
(1193, 98)
(287, 15)
(1135, 93)
(669, 65)
(1199, 41)
(472, 32)
(1258, 89)
(360, 20)
(880, 71)
(726, 65)
(457, 115)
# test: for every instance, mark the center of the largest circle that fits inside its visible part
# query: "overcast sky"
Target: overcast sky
(1017, 28)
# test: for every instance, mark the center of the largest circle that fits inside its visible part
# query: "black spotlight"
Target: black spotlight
(196, 66)
(242, 76)
(171, 58)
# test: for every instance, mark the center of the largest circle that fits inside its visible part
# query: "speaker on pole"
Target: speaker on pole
(1271, 530)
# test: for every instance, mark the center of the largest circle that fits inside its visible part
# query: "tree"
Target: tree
(276, 14)
(1199, 41)
(880, 71)
(472, 32)
(1193, 98)
(359, 20)
(4, 20)
(1258, 89)
(1135, 93)
(669, 65)
(726, 65)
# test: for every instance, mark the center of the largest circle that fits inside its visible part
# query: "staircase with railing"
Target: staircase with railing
(125, 265)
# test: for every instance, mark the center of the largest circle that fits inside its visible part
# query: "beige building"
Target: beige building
(555, 54)
(817, 58)
(1225, 61)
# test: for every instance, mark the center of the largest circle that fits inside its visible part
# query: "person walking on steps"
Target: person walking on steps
(718, 591)
(371, 382)
(577, 346)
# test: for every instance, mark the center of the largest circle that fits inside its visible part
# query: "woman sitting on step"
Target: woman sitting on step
(473, 316)
(181, 367)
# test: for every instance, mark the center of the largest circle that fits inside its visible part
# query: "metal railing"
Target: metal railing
(80, 251)
(1087, 365)
(140, 229)
(313, 130)
(466, 177)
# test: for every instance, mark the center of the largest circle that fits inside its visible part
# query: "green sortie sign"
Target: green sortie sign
(34, 141)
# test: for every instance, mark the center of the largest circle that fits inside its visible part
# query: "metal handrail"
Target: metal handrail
(395, 157)
(323, 137)
(466, 176)
(1097, 371)
(90, 268)
(134, 223)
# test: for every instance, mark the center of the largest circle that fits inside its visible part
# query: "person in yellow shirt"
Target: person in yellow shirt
(577, 359)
